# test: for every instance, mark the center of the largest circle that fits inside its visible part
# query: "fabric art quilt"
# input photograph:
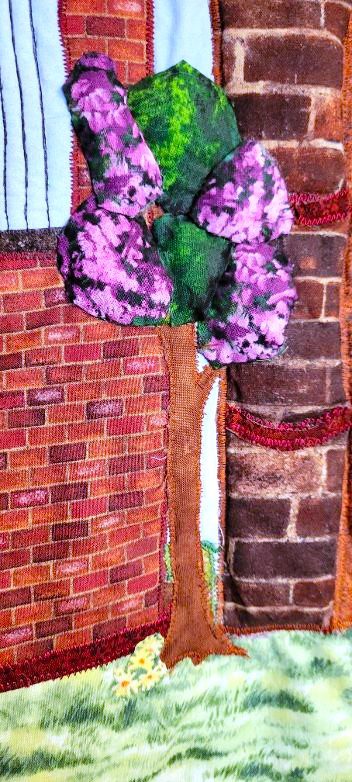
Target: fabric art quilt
(175, 402)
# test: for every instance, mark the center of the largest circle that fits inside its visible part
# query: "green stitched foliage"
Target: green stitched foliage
(195, 261)
(190, 126)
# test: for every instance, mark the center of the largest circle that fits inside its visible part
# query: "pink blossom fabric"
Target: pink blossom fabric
(125, 175)
(244, 199)
(111, 267)
(250, 311)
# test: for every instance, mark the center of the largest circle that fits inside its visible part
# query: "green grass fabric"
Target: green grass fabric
(283, 715)
(190, 126)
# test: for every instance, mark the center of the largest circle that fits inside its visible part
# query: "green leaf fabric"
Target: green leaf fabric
(195, 261)
(190, 126)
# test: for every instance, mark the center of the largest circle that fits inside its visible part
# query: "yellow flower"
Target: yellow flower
(153, 644)
(141, 660)
(125, 684)
(149, 679)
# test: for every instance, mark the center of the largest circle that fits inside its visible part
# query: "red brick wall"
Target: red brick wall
(283, 68)
(82, 478)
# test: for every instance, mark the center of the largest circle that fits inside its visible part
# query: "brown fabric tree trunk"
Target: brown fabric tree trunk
(192, 632)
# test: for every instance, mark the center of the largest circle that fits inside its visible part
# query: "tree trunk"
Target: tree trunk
(192, 632)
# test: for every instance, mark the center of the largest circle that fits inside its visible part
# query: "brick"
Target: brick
(75, 25)
(157, 459)
(293, 59)
(16, 636)
(142, 583)
(45, 396)
(328, 118)
(64, 374)
(274, 472)
(29, 537)
(129, 500)
(124, 386)
(104, 408)
(23, 418)
(314, 593)
(71, 529)
(109, 594)
(112, 369)
(83, 392)
(278, 384)
(336, 19)
(47, 435)
(275, 617)
(136, 72)
(30, 575)
(318, 516)
(9, 281)
(151, 598)
(317, 255)
(86, 6)
(82, 352)
(4, 501)
(73, 491)
(71, 605)
(73, 640)
(45, 476)
(272, 116)
(306, 169)
(126, 464)
(313, 340)
(4, 541)
(66, 413)
(61, 334)
(24, 340)
(35, 320)
(310, 299)
(5, 619)
(12, 439)
(105, 25)
(10, 520)
(99, 330)
(47, 591)
(105, 629)
(336, 393)
(50, 551)
(127, 9)
(37, 279)
(67, 453)
(91, 507)
(122, 535)
(280, 13)
(11, 399)
(335, 462)
(54, 296)
(20, 302)
(127, 425)
(49, 513)
(24, 378)
(101, 488)
(90, 581)
(15, 597)
(27, 499)
(71, 567)
(11, 323)
(90, 618)
(124, 572)
(53, 627)
(284, 559)
(14, 559)
(105, 448)
(155, 383)
(10, 361)
(3, 461)
(141, 365)
(33, 613)
(332, 300)
(108, 559)
(250, 518)
(86, 469)
(42, 356)
(265, 593)
(91, 544)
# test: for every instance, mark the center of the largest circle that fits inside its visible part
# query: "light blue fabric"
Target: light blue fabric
(182, 31)
(35, 133)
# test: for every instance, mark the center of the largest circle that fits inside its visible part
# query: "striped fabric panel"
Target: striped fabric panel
(35, 134)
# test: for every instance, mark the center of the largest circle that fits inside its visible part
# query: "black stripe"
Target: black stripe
(45, 149)
(22, 117)
(5, 152)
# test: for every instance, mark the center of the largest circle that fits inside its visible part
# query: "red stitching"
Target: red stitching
(54, 665)
(320, 209)
(288, 436)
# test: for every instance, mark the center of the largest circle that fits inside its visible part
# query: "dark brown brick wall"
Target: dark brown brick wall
(283, 70)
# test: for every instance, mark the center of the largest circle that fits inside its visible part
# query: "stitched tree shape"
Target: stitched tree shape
(208, 272)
